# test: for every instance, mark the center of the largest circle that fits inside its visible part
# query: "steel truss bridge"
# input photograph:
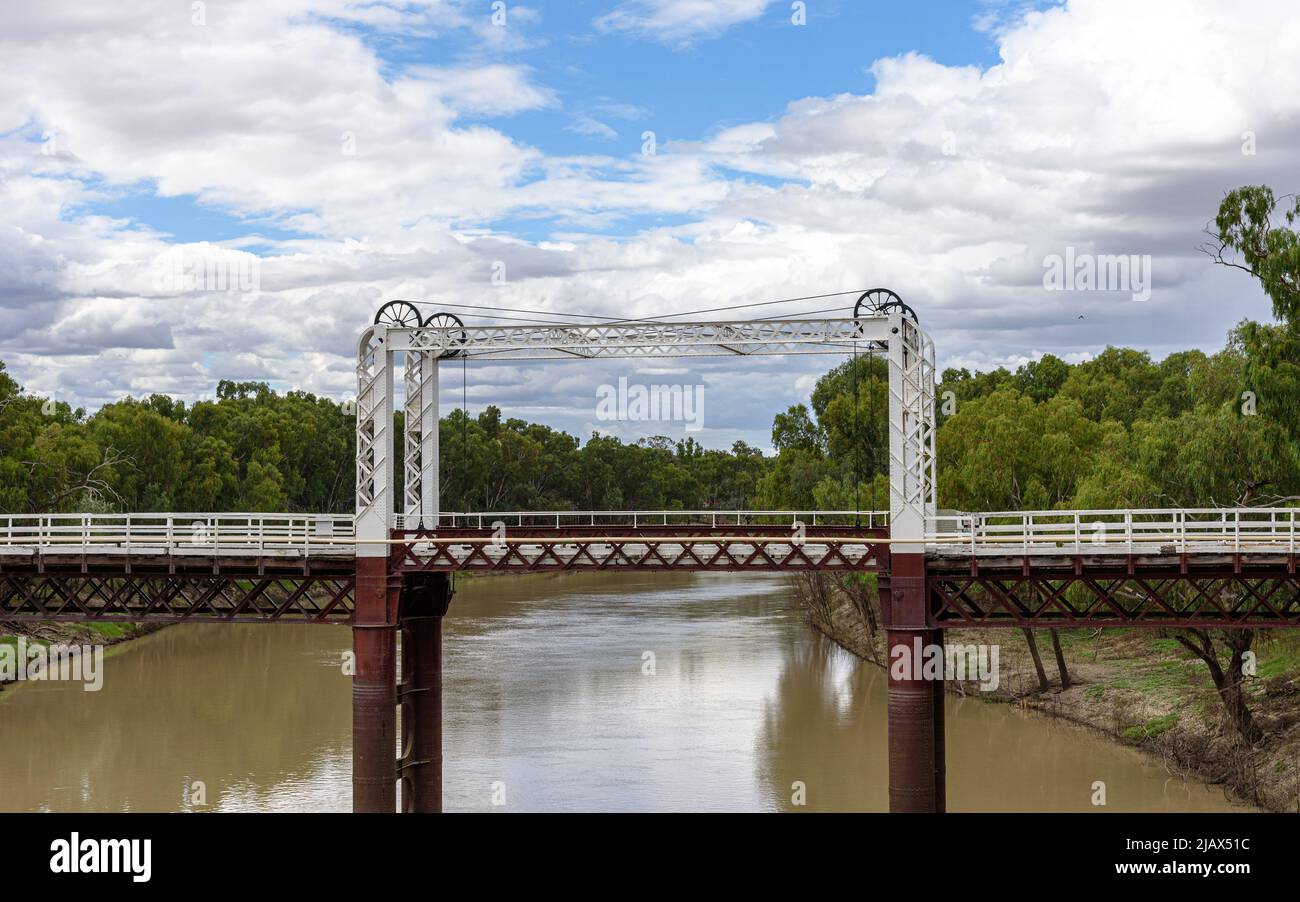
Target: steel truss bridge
(1162, 567)
(389, 567)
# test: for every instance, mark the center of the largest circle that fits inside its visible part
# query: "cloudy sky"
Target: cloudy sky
(632, 158)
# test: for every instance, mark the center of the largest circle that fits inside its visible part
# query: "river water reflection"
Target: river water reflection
(547, 707)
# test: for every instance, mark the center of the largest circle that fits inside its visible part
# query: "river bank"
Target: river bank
(1139, 688)
(51, 633)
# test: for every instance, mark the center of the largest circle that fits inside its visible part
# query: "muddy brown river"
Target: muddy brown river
(549, 706)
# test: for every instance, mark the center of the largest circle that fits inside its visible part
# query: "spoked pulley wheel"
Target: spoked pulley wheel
(458, 335)
(402, 314)
(882, 302)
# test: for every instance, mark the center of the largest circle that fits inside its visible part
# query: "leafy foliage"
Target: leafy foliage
(1247, 224)
(1116, 431)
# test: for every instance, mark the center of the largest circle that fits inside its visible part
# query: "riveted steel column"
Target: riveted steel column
(374, 627)
(374, 689)
(425, 598)
(420, 493)
(916, 729)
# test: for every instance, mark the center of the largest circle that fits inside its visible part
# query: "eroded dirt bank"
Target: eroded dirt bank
(1138, 687)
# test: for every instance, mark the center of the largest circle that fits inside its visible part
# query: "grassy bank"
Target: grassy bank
(106, 634)
(1139, 688)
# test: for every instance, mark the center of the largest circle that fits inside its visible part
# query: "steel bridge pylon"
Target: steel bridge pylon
(391, 598)
(389, 604)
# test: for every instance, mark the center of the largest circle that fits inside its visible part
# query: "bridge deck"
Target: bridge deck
(962, 535)
(1102, 533)
(655, 547)
(1165, 567)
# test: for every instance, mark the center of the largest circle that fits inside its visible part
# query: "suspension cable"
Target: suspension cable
(810, 297)
(797, 314)
(607, 321)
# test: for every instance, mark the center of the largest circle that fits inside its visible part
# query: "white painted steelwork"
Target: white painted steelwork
(1158, 531)
(420, 463)
(911, 394)
(912, 480)
(1150, 531)
(714, 519)
(618, 340)
(204, 534)
(374, 513)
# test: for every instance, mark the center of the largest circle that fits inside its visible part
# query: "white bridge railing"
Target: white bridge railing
(334, 534)
(1154, 531)
(714, 519)
(197, 533)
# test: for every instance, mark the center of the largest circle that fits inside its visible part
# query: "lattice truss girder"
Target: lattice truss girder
(911, 431)
(374, 408)
(601, 341)
(415, 552)
(420, 461)
(173, 598)
(1158, 599)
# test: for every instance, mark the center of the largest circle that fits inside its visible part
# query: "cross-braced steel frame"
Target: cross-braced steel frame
(668, 548)
(147, 590)
(1185, 591)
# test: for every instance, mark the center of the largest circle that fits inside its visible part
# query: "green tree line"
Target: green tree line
(254, 449)
(1119, 430)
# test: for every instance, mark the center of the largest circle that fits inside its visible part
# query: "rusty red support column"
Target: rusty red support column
(374, 688)
(425, 599)
(940, 751)
(917, 773)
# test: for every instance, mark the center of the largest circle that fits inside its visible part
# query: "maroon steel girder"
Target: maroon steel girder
(139, 592)
(1237, 594)
(736, 549)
